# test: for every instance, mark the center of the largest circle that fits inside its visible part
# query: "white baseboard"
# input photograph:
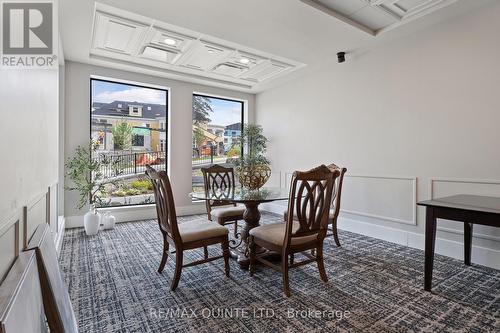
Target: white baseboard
(134, 213)
(60, 235)
(480, 255)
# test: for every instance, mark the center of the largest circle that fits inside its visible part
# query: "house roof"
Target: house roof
(149, 111)
(234, 127)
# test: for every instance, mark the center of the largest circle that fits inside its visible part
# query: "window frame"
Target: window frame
(244, 106)
(166, 124)
(242, 102)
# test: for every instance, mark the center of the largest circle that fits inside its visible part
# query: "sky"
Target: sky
(225, 112)
(108, 92)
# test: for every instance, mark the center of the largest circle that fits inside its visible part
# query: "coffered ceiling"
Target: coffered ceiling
(212, 36)
(377, 16)
(129, 37)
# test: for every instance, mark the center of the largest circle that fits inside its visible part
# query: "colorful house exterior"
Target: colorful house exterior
(148, 122)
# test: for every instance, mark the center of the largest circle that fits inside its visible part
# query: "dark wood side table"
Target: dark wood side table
(465, 208)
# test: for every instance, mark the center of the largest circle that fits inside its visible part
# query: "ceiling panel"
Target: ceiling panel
(265, 70)
(345, 7)
(204, 55)
(117, 34)
(374, 18)
(127, 37)
(170, 40)
(377, 16)
(408, 5)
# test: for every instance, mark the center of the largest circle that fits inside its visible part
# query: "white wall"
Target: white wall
(77, 131)
(28, 150)
(425, 106)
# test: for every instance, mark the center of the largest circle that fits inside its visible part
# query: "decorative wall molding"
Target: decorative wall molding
(16, 230)
(434, 180)
(60, 235)
(9, 243)
(37, 202)
(412, 221)
(285, 177)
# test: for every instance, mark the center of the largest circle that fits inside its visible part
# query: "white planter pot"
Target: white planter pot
(108, 221)
(91, 221)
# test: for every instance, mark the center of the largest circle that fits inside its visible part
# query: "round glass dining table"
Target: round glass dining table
(251, 199)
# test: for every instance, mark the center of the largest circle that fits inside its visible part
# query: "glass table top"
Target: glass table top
(264, 194)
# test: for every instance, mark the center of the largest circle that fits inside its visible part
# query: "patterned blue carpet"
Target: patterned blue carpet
(374, 286)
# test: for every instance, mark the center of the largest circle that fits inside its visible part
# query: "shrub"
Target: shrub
(132, 191)
(234, 152)
(141, 184)
(120, 193)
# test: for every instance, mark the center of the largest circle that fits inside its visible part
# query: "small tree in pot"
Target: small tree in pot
(89, 177)
(253, 167)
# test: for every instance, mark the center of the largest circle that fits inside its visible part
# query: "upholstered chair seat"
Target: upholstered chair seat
(229, 211)
(200, 229)
(275, 234)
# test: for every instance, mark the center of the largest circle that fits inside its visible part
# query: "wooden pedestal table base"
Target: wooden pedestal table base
(251, 216)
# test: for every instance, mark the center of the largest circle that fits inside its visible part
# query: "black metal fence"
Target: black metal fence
(204, 155)
(129, 163)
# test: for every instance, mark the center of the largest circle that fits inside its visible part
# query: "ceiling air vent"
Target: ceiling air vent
(155, 53)
(229, 69)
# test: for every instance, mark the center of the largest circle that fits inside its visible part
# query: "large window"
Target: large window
(129, 129)
(217, 124)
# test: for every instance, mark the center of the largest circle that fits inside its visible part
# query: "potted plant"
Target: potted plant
(252, 166)
(89, 179)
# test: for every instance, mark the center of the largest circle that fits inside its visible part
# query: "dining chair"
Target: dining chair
(220, 179)
(185, 236)
(335, 205)
(304, 230)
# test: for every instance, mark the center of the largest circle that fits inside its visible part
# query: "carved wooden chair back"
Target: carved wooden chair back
(219, 181)
(310, 198)
(337, 189)
(165, 207)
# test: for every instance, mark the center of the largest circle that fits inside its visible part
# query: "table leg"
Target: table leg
(467, 242)
(430, 241)
(251, 216)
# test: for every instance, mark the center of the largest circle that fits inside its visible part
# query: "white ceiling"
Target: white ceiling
(119, 35)
(276, 29)
(378, 16)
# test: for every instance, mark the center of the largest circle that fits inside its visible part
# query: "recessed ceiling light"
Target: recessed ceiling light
(244, 60)
(170, 41)
(210, 51)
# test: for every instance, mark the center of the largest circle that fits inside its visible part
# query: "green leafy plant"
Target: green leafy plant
(235, 151)
(85, 170)
(122, 135)
(254, 145)
(202, 107)
(198, 136)
(142, 184)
